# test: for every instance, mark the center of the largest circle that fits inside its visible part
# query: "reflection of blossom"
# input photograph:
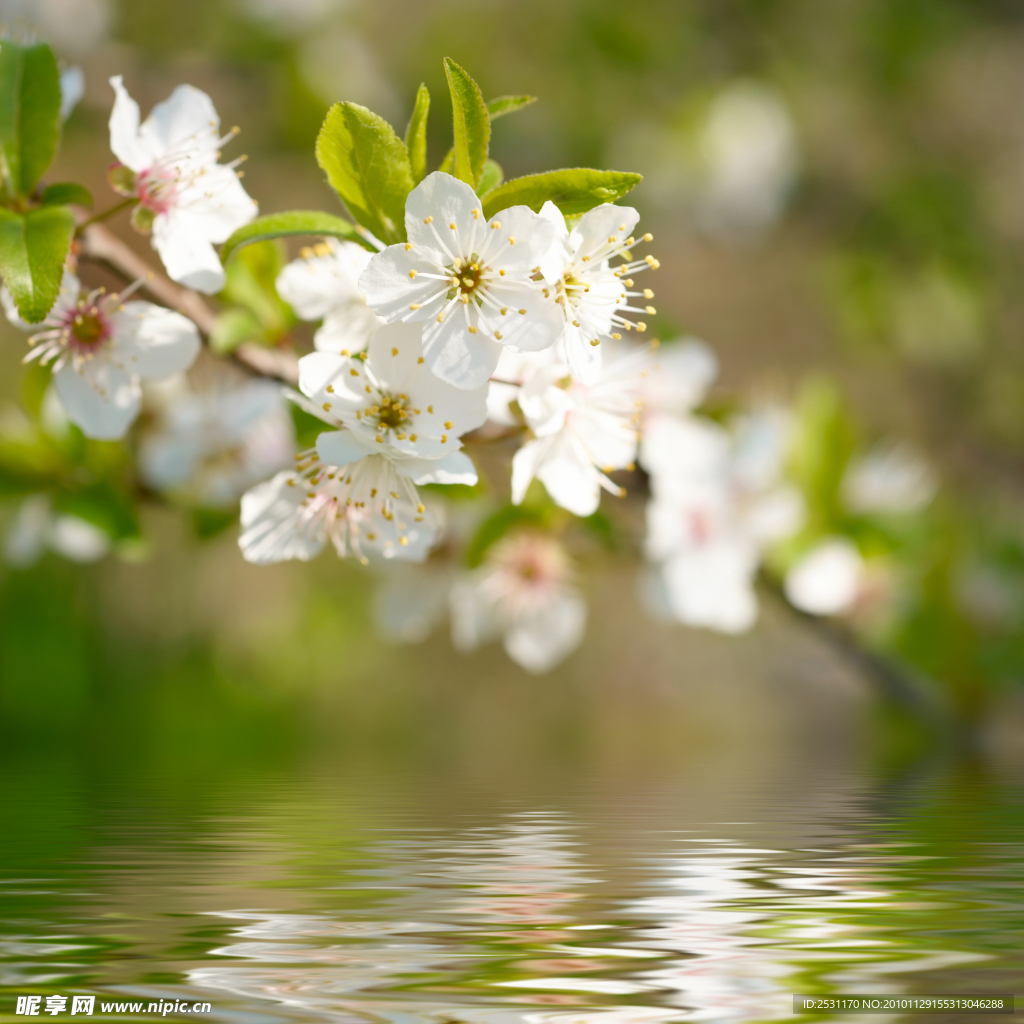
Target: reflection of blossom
(211, 445)
(36, 527)
(524, 593)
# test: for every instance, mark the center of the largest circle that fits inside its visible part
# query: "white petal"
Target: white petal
(674, 448)
(556, 259)
(826, 581)
(446, 200)
(525, 463)
(27, 534)
(500, 396)
(411, 601)
(712, 586)
(393, 355)
(462, 359)
(680, 374)
(584, 358)
(774, 516)
(347, 330)
(72, 89)
(214, 204)
(403, 276)
(341, 447)
(169, 460)
(125, 142)
(473, 620)
(274, 527)
(573, 483)
(187, 255)
(532, 331)
(600, 224)
(314, 286)
(456, 468)
(320, 369)
(186, 120)
(533, 237)
(153, 342)
(102, 399)
(540, 640)
(78, 540)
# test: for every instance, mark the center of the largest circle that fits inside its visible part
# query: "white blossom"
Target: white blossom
(209, 446)
(524, 593)
(365, 508)
(592, 295)
(101, 348)
(674, 377)
(469, 279)
(323, 284)
(828, 579)
(192, 201)
(581, 432)
(36, 527)
(718, 501)
(389, 400)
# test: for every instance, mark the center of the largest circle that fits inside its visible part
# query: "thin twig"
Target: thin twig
(99, 244)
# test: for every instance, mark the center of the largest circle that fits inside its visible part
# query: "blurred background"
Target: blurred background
(837, 196)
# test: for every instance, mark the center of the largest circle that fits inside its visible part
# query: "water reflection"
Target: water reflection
(591, 913)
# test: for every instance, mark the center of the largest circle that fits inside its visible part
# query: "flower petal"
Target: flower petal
(188, 256)
(455, 468)
(153, 342)
(462, 359)
(523, 239)
(556, 259)
(341, 447)
(712, 586)
(125, 141)
(550, 632)
(403, 276)
(274, 525)
(600, 224)
(531, 331)
(186, 120)
(434, 205)
(101, 399)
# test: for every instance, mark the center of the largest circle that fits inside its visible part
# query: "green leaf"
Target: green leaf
(471, 123)
(502, 105)
(67, 193)
(252, 284)
(368, 165)
(33, 248)
(491, 178)
(416, 134)
(211, 522)
(448, 163)
(29, 115)
(294, 222)
(574, 190)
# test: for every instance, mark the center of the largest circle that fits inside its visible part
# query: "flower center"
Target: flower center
(155, 188)
(88, 328)
(392, 412)
(466, 278)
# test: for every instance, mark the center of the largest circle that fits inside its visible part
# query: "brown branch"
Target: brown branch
(101, 245)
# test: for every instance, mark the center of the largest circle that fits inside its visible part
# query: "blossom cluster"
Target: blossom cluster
(482, 322)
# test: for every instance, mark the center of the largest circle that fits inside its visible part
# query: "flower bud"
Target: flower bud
(122, 179)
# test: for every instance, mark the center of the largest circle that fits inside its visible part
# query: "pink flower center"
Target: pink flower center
(156, 187)
(87, 328)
